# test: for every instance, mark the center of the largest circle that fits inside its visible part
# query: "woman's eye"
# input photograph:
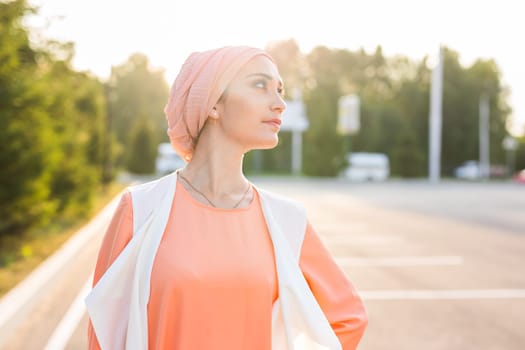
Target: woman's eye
(261, 84)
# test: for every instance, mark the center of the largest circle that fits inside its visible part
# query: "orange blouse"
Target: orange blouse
(214, 278)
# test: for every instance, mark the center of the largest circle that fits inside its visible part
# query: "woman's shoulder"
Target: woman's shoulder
(152, 185)
(146, 197)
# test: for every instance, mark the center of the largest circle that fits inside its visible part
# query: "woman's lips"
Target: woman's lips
(274, 122)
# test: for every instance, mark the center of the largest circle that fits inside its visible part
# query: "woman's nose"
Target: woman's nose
(279, 104)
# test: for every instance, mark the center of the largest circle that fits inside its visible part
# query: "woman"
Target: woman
(202, 258)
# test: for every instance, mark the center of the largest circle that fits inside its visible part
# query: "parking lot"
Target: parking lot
(439, 266)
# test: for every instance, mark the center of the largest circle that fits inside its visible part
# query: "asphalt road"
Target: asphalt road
(439, 266)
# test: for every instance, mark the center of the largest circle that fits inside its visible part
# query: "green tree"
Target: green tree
(520, 154)
(484, 77)
(135, 90)
(462, 89)
(52, 119)
(77, 110)
(394, 95)
(28, 146)
(322, 151)
(411, 99)
(141, 156)
(407, 158)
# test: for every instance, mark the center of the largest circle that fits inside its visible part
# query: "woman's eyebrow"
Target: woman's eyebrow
(267, 76)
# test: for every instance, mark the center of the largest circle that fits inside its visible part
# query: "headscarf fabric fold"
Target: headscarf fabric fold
(202, 80)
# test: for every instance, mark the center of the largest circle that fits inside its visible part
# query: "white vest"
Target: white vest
(117, 304)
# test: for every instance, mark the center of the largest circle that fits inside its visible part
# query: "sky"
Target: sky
(107, 32)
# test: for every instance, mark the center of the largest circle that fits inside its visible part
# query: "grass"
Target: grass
(21, 254)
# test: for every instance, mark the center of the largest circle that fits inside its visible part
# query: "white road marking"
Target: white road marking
(69, 322)
(443, 294)
(402, 261)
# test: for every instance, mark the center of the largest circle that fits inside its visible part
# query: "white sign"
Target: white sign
(348, 119)
(509, 143)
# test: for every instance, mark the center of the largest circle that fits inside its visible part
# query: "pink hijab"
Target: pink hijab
(202, 80)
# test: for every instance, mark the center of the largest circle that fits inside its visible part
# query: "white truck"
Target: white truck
(364, 166)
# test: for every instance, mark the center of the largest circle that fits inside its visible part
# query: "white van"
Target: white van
(167, 159)
(365, 166)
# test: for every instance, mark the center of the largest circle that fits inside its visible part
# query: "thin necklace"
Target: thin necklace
(209, 201)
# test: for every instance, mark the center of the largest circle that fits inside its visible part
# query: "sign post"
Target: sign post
(348, 122)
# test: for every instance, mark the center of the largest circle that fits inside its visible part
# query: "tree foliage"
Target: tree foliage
(26, 134)
(136, 91)
(77, 117)
(142, 148)
(394, 97)
(51, 132)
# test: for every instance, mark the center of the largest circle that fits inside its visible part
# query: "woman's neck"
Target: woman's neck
(216, 176)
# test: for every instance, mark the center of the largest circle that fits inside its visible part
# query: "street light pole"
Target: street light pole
(484, 137)
(435, 121)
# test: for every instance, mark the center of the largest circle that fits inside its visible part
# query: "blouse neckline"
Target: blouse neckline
(195, 202)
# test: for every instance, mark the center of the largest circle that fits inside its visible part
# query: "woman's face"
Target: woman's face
(251, 108)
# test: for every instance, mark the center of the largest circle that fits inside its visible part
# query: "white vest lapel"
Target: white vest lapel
(117, 304)
(297, 319)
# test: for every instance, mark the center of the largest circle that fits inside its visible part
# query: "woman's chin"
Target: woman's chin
(265, 144)
(269, 144)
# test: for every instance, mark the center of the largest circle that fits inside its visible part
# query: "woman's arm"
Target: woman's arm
(118, 234)
(335, 294)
